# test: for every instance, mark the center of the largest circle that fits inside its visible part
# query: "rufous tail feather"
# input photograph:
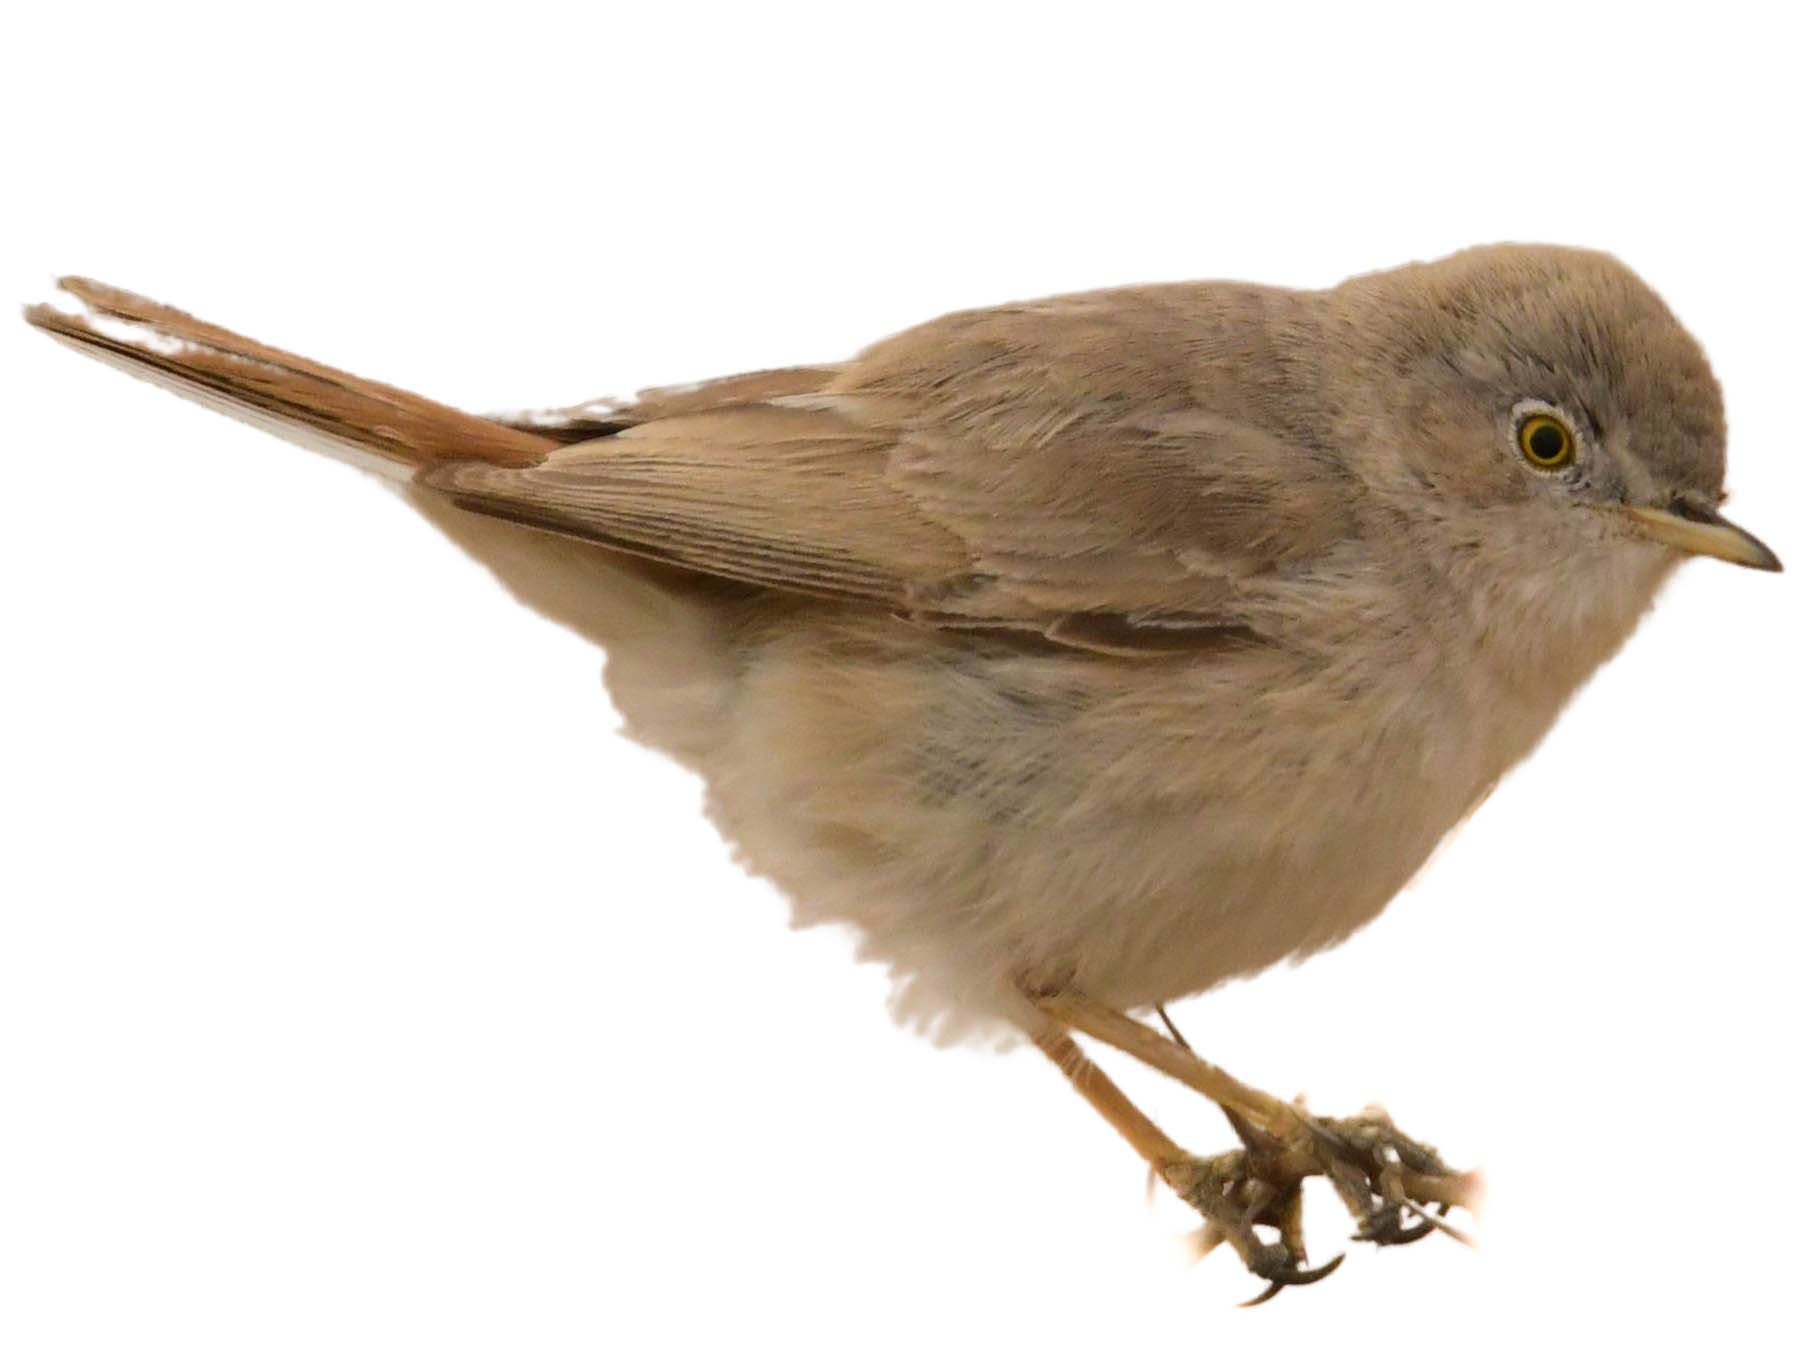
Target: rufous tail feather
(380, 427)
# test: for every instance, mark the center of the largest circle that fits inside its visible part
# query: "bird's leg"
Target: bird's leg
(1233, 1203)
(1262, 1112)
(1248, 1134)
(1397, 1189)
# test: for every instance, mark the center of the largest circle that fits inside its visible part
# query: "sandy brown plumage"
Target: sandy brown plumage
(1134, 639)
(1086, 652)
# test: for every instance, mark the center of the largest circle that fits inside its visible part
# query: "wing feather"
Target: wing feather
(1110, 470)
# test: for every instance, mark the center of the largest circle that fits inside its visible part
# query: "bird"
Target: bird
(1087, 652)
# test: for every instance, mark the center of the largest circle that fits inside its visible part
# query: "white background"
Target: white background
(361, 992)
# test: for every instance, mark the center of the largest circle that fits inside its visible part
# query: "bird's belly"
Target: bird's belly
(1141, 835)
(1137, 901)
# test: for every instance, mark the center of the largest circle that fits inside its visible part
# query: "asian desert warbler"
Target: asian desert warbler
(1086, 652)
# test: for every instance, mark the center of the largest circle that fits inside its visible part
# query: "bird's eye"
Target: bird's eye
(1546, 442)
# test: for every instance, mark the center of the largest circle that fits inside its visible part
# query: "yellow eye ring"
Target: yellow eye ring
(1546, 442)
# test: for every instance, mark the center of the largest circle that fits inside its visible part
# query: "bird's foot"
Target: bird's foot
(1235, 1197)
(1397, 1190)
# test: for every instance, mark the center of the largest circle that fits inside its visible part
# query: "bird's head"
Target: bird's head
(1549, 428)
(1551, 390)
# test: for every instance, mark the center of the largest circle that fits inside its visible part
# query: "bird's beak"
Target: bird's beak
(1703, 532)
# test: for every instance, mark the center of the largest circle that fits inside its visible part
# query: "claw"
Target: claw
(1387, 1229)
(1262, 1297)
(1295, 1278)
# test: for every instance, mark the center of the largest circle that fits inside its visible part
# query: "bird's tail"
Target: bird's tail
(376, 426)
(668, 668)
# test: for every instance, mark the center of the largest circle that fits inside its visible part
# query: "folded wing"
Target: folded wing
(1115, 471)
(1087, 468)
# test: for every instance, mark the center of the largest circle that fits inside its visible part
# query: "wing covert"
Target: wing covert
(1087, 467)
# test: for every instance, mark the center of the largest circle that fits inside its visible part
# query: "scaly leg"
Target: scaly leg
(1392, 1185)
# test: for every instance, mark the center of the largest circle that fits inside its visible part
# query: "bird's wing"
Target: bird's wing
(611, 415)
(1077, 468)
